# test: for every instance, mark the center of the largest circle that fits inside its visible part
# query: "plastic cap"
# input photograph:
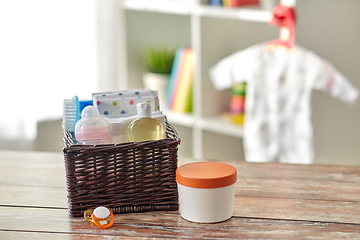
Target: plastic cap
(206, 175)
(101, 212)
(83, 103)
(90, 112)
(143, 110)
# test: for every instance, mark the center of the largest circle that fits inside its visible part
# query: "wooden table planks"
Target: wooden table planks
(273, 201)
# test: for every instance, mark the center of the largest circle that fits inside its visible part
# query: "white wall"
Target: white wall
(330, 28)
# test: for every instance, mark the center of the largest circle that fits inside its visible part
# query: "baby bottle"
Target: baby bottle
(145, 127)
(91, 129)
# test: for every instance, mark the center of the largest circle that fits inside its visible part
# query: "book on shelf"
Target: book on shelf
(182, 91)
(188, 107)
(215, 2)
(236, 114)
(175, 75)
(178, 1)
(239, 3)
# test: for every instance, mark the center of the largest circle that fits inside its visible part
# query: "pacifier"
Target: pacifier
(100, 217)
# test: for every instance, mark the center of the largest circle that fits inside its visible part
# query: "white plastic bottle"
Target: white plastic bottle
(91, 129)
(145, 127)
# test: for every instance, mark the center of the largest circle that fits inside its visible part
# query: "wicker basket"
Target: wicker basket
(127, 177)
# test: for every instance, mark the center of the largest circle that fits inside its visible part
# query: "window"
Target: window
(47, 53)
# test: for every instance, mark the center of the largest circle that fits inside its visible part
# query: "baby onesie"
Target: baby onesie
(278, 98)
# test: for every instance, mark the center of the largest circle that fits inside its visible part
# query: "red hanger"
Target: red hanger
(285, 17)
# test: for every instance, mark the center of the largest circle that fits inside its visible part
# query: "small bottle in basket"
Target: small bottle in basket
(91, 129)
(145, 127)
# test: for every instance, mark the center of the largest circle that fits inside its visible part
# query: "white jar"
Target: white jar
(206, 191)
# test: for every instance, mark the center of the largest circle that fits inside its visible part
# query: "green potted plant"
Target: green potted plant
(158, 62)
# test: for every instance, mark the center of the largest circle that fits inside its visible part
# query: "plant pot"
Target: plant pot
(159, 82)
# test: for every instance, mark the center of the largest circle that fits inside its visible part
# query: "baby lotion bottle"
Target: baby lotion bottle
(145, 127)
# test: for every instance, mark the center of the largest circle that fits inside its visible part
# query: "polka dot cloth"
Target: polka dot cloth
(120, 104)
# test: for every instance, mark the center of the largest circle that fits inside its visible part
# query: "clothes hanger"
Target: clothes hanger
(285, 17)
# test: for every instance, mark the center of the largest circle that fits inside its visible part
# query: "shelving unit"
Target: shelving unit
(192, 23)
(201, 9)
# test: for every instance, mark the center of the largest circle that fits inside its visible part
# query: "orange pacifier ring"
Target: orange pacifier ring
(87, 216)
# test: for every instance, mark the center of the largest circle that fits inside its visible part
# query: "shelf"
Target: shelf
(186, 120)
(253, 15)
(213, 124)
(186, 8)
(194, 127)
(182, 8)
(217, 125)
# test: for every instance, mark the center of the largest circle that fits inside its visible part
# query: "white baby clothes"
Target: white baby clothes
(278, 98)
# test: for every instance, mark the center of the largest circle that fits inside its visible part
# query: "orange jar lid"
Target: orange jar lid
(206, 175)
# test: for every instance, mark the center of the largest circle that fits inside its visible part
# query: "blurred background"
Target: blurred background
(51, 50)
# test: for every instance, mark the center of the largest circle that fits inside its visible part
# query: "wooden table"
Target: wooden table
(272, 201)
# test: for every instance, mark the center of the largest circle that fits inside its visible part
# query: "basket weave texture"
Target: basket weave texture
(127, 177)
